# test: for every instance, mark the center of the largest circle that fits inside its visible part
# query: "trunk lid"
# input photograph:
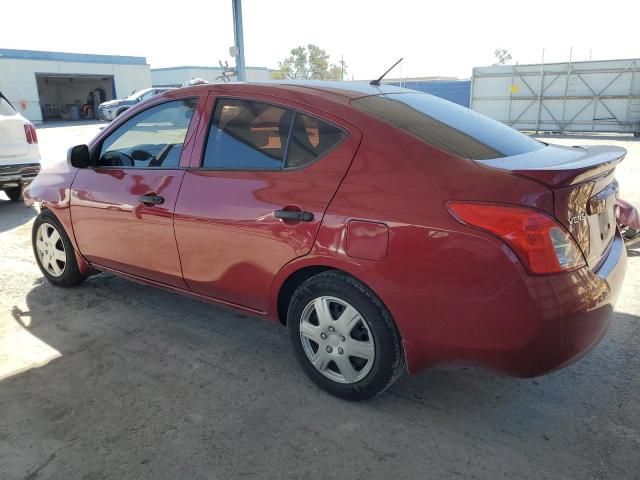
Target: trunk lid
(584, 190)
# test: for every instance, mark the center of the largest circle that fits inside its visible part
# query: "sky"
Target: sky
(435, 38)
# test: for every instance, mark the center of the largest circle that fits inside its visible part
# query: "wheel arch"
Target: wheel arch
(296, 272)
(63, 217)
(291, 283)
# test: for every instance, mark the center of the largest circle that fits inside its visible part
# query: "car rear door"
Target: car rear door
(255, 194)
(122, 208)
(13, 140)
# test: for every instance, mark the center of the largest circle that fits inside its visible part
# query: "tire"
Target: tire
(14, 193)
(54, 252)
(371, 335)
(120, 112)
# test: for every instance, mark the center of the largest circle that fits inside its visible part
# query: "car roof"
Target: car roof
(350, 89)
(338, 90)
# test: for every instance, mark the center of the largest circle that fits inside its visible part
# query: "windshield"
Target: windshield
(448, 126)
(138, 94)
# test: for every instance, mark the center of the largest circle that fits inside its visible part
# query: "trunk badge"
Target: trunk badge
(581, 217)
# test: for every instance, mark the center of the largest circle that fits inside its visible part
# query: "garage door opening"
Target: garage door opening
(73, 97)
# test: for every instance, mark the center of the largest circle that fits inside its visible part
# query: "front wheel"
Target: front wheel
(343, 336)
(54, 252)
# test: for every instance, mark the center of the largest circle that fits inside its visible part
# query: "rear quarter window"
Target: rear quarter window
(447, 126)
(310, 139)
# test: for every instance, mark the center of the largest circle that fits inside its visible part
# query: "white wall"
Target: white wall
(18, 80)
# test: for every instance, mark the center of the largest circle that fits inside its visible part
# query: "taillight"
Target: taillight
(30, 133)
(541, 243)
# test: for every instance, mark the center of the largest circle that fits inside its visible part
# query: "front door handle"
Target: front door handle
(151, 199)
(294, 215)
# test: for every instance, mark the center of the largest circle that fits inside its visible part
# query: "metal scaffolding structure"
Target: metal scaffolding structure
(594, 96)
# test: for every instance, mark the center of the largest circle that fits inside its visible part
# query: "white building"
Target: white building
(176, 76)
(54, 85)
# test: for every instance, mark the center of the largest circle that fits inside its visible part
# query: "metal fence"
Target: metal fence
(595, 96)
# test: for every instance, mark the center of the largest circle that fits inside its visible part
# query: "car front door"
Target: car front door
(122, 207)
(256, 196)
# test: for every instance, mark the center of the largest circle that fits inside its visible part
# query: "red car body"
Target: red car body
(381, 208)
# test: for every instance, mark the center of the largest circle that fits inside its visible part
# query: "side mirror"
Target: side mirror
(79, 157)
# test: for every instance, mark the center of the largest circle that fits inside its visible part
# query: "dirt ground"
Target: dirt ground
(117, 380)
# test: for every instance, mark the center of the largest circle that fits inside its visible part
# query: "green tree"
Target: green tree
(309, 63)
(337, 71)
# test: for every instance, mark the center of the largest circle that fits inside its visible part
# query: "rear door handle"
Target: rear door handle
(293, 215)
(153, 199)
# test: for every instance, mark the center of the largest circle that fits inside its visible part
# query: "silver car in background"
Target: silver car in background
(111, 109)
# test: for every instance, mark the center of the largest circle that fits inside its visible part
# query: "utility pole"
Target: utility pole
(239, 40)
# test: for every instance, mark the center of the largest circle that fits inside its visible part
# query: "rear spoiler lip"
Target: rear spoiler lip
(559, 166)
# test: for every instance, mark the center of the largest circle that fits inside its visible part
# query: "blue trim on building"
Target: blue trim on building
(186, 67)
(70, 57)
(457, 91)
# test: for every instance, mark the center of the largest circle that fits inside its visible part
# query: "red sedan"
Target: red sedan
(388, 229)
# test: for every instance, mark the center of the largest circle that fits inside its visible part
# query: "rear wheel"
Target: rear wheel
(54, 252)
(14, 193)
(343, 336)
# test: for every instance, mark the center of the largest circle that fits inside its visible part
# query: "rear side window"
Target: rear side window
(247, 135)
(445, 125)
(5, 107)
(250, 135)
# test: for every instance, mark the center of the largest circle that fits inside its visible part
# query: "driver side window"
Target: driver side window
(151, 139)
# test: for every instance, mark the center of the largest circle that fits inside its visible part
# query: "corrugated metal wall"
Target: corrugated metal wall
(596, 96)
(457, 91)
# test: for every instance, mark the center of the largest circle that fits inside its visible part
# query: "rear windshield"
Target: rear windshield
(448, 126)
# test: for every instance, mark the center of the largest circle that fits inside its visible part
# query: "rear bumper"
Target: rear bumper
(585, 305)
(18, 175)
(536, 325)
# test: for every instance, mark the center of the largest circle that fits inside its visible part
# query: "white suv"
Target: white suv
(19, 153)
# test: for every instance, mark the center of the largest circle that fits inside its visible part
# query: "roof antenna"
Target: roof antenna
(377, 82)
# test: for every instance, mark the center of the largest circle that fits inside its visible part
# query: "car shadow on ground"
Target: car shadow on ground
(14, 214)
(137, 363)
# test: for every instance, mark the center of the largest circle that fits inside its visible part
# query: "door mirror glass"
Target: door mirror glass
(79, 157)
